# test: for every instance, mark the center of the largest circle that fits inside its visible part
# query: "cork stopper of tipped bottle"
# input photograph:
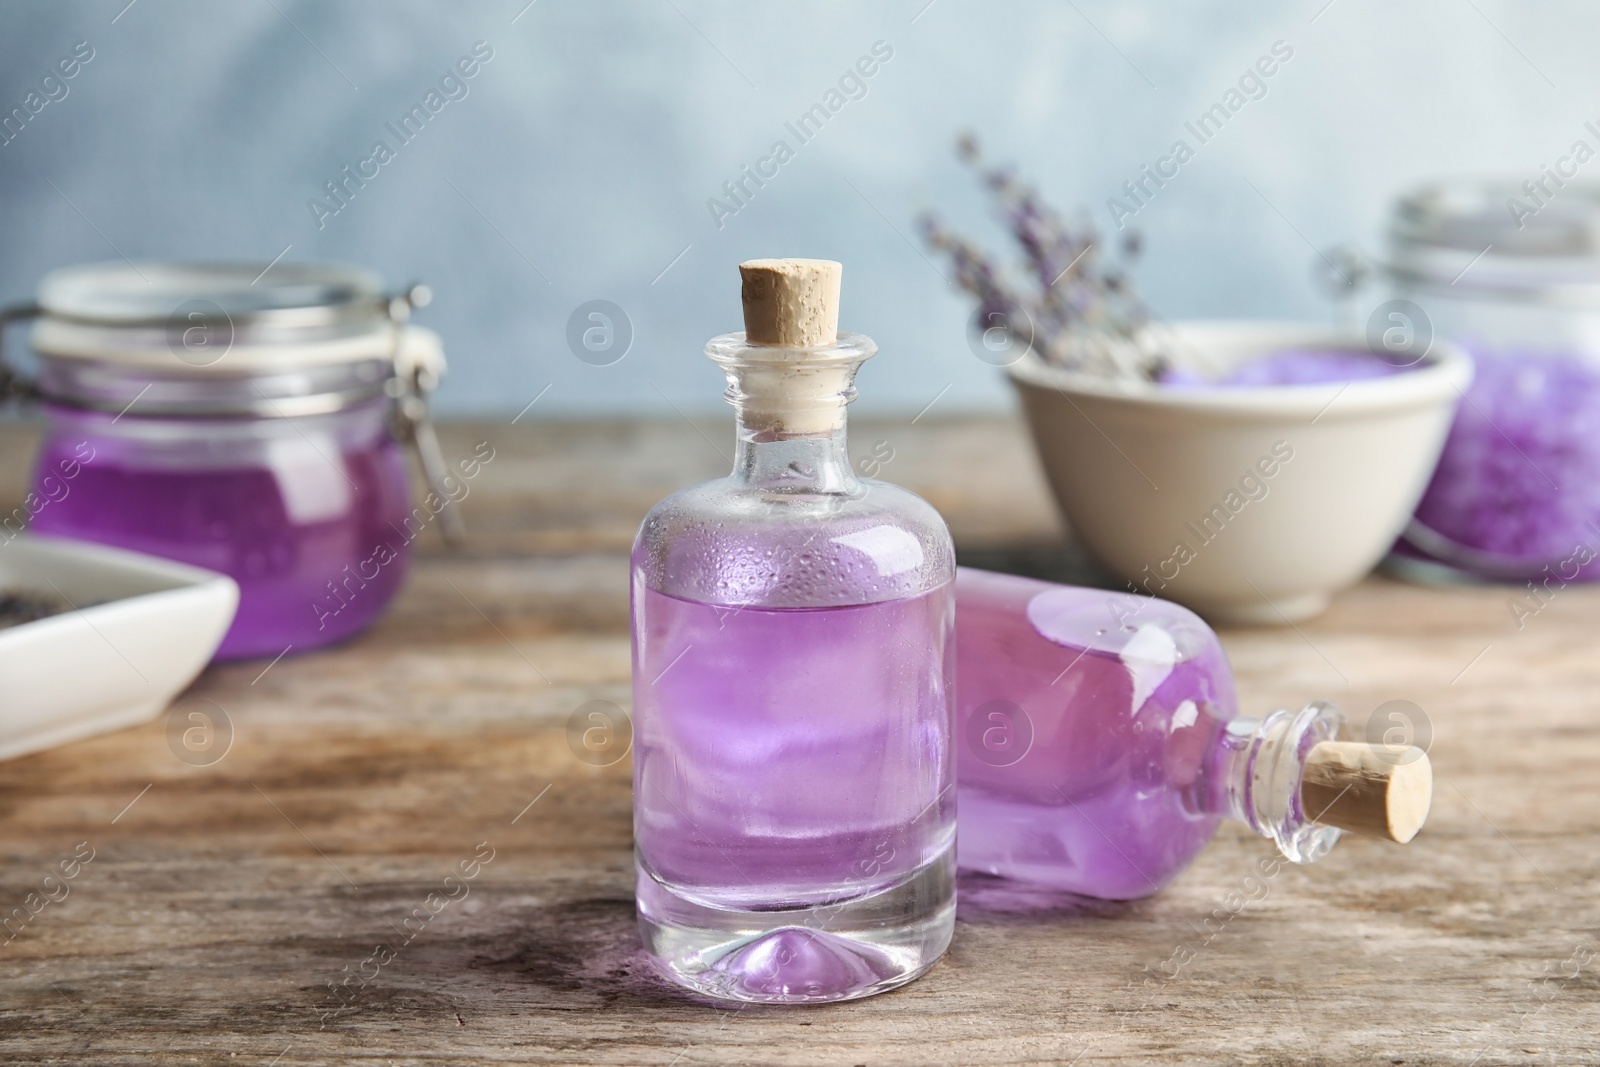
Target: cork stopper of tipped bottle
(1377, 790)
(800, 388)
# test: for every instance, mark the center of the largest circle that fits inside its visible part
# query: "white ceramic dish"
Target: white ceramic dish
(1140, 471)
(145, 629)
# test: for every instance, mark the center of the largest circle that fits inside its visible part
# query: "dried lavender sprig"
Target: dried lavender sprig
(1083, 310)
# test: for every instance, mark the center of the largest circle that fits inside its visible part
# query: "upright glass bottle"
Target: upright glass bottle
(793, 644)
(1101, 746)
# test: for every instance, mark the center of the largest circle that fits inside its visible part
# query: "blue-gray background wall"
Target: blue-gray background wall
(580, 162)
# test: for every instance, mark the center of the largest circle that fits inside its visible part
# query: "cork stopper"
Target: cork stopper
(793, 303)
(1377, 790)
(800, 383)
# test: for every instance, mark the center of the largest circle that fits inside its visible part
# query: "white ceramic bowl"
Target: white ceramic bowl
(1249, 505)
(145, 629)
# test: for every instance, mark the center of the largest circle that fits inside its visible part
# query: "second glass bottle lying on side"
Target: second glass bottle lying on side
(1100, 745)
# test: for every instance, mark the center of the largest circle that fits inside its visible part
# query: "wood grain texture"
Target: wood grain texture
(220, 905)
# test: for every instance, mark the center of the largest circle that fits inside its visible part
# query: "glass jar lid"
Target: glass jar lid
(214, 318)
(224, 339)
(304, 294)
(1501, 237)
(415, 364)
(233, 340)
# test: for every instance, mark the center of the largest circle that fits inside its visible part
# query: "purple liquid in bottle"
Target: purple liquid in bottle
(785, 763)
(312, 528)
(795, 779)
(794, 786)
(1100, 747)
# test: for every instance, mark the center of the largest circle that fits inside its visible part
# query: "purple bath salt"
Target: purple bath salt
(1294, 366)
(1518, 485)
(1313, 366)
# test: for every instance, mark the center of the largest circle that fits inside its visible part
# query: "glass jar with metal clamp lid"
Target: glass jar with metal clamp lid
(243, 418)
(1510, 271)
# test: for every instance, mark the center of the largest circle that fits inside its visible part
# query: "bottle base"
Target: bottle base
(820, 954)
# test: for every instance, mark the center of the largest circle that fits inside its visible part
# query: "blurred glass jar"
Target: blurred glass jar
(241, 419)
(1512, 273)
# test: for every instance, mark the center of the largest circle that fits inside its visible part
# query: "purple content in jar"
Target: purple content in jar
(317, 538)
(1294, 366)
(1519, 480)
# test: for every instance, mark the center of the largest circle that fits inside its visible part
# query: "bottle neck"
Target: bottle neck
(1254, 777)
(791, 419)
(794, 463)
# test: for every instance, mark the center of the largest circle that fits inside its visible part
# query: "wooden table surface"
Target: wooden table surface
(223, 902)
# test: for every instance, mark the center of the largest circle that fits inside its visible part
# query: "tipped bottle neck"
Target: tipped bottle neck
(1255, 774)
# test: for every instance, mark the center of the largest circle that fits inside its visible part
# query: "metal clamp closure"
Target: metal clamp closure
(412, 385)
(13, 384)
